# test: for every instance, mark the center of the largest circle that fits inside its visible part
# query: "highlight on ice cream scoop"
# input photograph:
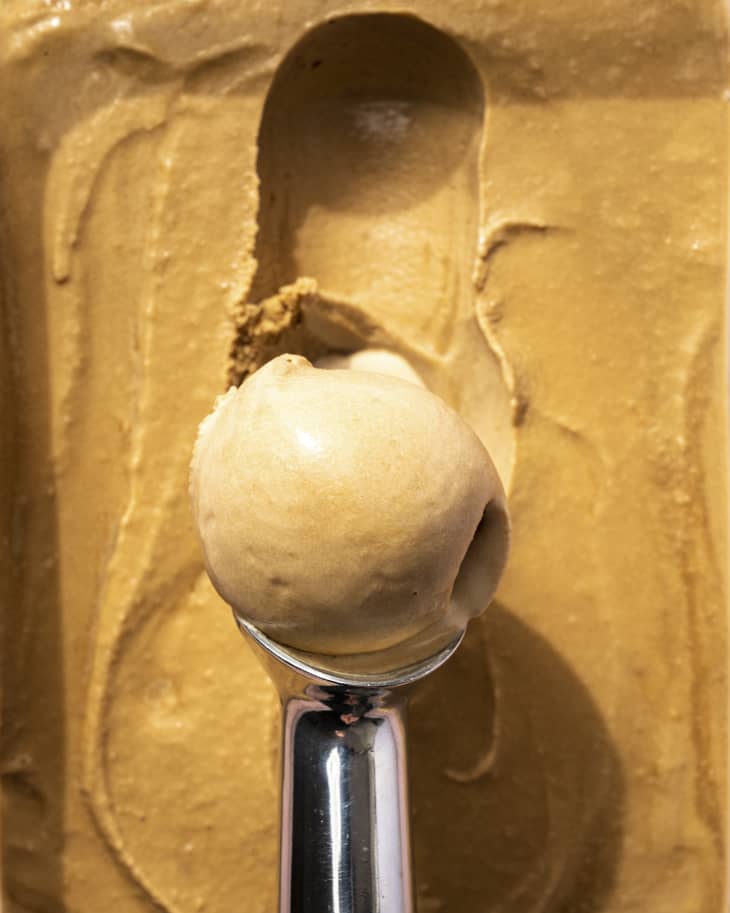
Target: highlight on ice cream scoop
(345, 511)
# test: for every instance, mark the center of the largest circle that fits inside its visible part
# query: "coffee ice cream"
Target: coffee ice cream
(344, 512)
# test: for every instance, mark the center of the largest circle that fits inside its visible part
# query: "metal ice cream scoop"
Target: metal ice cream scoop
(345, 831)
(358, 513)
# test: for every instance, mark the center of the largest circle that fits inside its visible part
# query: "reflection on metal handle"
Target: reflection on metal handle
(345, 844)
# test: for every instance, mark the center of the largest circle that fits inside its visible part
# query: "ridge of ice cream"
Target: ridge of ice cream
(345, 512)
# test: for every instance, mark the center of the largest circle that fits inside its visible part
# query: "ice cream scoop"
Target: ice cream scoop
(345, 512)
(355, 524)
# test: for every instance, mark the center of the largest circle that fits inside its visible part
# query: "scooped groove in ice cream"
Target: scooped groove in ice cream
(346, 512)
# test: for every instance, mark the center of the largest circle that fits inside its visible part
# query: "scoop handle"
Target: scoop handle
(345, 841)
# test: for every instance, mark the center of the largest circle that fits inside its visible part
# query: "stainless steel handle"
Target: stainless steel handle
(345, 830)
(345, 844)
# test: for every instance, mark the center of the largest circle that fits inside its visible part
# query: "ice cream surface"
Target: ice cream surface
(345, 511)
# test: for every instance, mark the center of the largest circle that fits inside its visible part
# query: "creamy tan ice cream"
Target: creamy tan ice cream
(345, 512)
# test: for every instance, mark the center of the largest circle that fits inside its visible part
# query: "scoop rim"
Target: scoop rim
(391, 678)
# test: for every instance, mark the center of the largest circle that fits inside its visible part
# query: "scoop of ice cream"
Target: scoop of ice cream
(344, 512)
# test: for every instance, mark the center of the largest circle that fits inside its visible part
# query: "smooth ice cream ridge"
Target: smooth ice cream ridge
(344, 512)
